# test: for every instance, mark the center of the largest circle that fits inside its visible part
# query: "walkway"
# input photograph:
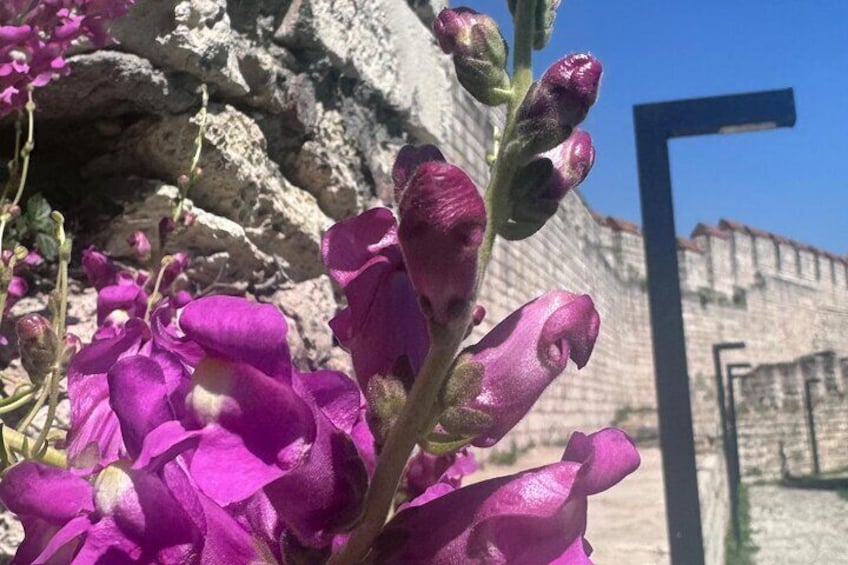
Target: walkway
(798, 527)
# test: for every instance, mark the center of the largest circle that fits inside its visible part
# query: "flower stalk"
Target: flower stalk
(416, 419)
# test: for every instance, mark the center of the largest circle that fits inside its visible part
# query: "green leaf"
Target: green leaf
(38, 214)
(47, 245)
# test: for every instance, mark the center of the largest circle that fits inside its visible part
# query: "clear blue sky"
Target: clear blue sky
(789, 181)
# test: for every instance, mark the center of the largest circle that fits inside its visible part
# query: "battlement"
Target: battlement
(727, 257)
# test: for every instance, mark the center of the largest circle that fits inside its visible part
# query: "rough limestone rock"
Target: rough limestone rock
(379, 43)
(239, 181)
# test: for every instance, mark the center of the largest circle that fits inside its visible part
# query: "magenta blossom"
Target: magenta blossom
(499, 379)
(534, 517)
(382, 326)
(442, 222)
(425, 470)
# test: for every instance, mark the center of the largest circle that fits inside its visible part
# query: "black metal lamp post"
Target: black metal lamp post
(655, 124)
(811, 422)
(734, 475)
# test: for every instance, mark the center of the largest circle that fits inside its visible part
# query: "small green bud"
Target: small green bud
(386, 397)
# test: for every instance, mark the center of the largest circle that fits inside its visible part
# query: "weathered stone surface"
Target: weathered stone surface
(106, 84)
(309, 306)
(240, 182)
(381, 44)
(236, 256)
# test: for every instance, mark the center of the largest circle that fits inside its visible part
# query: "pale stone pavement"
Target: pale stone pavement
(798, 527)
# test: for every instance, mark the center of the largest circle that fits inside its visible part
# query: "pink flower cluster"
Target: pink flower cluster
(36, 34)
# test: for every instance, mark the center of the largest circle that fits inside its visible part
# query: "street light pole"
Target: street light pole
(654, 125)
(732, 460)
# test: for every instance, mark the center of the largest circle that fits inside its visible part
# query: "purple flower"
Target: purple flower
(572, 160)
(558, 102)
(382, 326)
(425, 470)
(539, 186)
(496, 381)
(442, 222)
(479, 53)
(140, 244)
(37, 344)
(534, 517)
(99, 269)
(408, 159)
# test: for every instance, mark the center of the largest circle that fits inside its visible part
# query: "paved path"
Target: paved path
(798, 527)
(627, 523)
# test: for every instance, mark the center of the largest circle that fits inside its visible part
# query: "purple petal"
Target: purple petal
(350, 245)
(336, 395)
(494, 521)
(58, 550)
(605, 458)
(240, 330)
(106, 543)
(139, 397)
(408, 159)
(326, 493)
(34, 489)
(442, 224)
(129, 298)
(523, 354)
(222, 455)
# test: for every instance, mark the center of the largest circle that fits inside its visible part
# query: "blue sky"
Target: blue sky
(789, 181)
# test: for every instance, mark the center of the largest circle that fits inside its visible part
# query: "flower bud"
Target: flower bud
(517, 360)
(408, 159)
(479, 53)
(543, 21)
(386, 397)
(37, 345)
(71, 344)
(442, 221)
(540, 185)
(167, 225)
(139, 242)
(557, 102)
(98, 268)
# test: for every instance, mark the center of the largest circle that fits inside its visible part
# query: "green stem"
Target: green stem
(155, 296)
(414, 420)
(25, 153)
(13, 403)
(201, 118)
(498, 205)
(17, 442)
(59, 322)
(409, 428)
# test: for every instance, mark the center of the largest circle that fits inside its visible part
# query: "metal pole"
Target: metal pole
(733, 466)
(811, 423)
(725, 439)
(654, 125)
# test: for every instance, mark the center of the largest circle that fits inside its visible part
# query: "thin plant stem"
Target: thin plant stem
(17, 442)
(15, 162)
(498, 205)
(413, 421)
(155, 295)
(25, 152)
(59, 322)
(202, 119)
(16, 402)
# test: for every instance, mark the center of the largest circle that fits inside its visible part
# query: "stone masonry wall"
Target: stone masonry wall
(772, 422)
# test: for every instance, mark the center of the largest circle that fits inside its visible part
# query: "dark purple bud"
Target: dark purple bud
(557, 102)
(139, 242)
(540, 185)
(37, 345)
(442, 222)
(98, 268)
(182, 181)
(408, 159)
(167, 225)
(514, 363)
(479, 53)
(189, 219)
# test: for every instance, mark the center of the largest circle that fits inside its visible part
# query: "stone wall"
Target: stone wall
(772, 421)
